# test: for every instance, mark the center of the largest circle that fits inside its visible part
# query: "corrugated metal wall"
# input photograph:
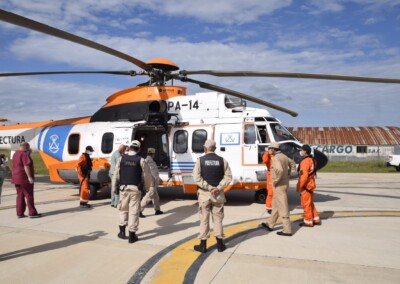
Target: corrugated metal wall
(348, 135)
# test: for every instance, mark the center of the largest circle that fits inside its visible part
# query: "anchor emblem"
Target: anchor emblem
(54, 145)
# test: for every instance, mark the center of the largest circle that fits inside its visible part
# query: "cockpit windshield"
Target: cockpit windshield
(281, 133)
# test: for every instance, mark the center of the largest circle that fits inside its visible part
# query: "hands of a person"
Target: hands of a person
(215, 192)
(30, 180)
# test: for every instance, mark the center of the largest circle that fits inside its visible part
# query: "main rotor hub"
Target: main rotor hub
(163, 64)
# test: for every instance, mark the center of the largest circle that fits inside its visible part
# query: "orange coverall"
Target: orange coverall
(306, 186)
(267, 160)
(83, 180)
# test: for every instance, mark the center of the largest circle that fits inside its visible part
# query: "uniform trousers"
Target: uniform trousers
(129, 207)
(1, 187)
(85, 189)
(216, 210)
(280, 208)
(151, 196)
(270, 192)
(25, 192)
(310, 212)
(114, 196)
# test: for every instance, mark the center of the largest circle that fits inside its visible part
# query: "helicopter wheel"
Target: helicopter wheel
(260, 195)
(94, 187)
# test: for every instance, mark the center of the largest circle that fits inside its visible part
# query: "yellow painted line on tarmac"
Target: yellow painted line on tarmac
(173, 267)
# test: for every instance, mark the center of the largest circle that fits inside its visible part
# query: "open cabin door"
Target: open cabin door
(250, 144)
(154, 137)
(186, 145)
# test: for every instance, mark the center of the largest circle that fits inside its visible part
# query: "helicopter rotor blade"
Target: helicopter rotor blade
(290, 75)
(37, 26)
(237, 94)
(129, 73)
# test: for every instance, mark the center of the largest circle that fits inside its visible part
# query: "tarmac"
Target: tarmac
(358, 241)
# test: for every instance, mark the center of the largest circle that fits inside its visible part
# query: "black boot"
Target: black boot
(202, 247)
(220, 245)
(121, 233)
(132, 237)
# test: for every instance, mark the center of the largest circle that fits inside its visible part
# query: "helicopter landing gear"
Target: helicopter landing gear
(260, 195)
(94, 187)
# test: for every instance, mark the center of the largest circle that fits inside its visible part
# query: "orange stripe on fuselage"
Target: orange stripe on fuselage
(78, 120)
(144, 93)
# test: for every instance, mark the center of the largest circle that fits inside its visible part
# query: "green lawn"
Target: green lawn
(357, 167)
(40, 168)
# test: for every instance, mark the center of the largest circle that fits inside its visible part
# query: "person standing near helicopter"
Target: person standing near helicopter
(267, 160)
(211, 174)
(152, 194)
(131, 172)
(281, 168)
(23, 177)
(114, 186)
(306, 187)
(84, 168)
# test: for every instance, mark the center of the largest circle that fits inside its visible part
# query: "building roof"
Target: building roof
(388, 135)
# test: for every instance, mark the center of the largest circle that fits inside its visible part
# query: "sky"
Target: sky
(347, 37)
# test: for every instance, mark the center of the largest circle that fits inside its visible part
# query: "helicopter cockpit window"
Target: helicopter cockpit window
(73, 144)
(107, 143)
(281, 133)
(180, 141)
(292, 151)
(263, 134)
(250, 134)
(198, 139)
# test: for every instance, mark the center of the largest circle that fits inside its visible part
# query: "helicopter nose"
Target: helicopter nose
(320, 158)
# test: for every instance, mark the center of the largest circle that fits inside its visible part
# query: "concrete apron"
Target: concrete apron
(357, 242)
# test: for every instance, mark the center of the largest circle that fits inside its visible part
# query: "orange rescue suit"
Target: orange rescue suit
(267, 160)
(306, 186)
(83, 179)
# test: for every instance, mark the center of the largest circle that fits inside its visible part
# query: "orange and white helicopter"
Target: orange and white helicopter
(161, 116)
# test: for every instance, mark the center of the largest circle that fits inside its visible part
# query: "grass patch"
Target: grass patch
(372, 166)
(40, 167)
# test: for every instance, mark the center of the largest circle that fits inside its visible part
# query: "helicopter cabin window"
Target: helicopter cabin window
(198, 139)
(73, 144)
(281, 133)
(250, 134)
(180, 141)
(263, 134)
(107, 143)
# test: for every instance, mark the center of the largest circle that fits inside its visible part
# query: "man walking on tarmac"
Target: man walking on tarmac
(130, 172)
(306, 186)
(84, 168)
(212, 174)
(152, 194)
(281, 168)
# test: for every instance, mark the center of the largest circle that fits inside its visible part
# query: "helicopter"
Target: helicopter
(161, 116)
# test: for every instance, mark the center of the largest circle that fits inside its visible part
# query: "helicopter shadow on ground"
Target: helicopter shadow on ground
(74, 240)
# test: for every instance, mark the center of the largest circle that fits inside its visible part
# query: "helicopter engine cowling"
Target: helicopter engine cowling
(154, 112)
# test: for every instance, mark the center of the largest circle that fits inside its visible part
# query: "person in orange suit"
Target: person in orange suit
(306, 186)
(267, 160)
(84, 168)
